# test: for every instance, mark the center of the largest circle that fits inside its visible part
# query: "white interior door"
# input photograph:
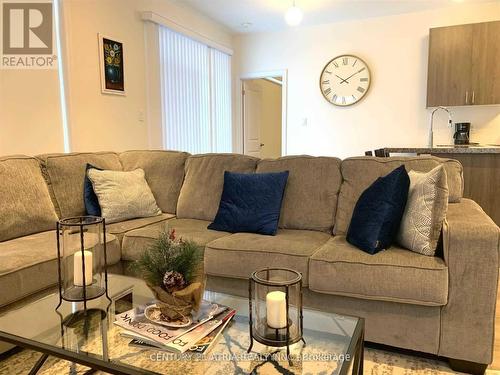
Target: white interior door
(252, 118)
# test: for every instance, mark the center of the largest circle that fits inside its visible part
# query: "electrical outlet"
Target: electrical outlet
(140, 116)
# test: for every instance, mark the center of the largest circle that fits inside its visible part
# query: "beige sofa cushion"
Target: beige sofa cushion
(471, 246)
(360, 172)
(395, 274)
(65, 174)
(164, 173)
(240, 254)
(29, 264)
(311, 191)
(119, 229)
(203, 182)
(25, 206)
(136, 241)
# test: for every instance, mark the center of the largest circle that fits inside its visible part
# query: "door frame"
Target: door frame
(284, 102)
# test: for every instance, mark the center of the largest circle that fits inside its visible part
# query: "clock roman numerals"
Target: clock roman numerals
(345, 80)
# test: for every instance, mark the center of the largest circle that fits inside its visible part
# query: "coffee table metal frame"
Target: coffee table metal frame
(354, 354)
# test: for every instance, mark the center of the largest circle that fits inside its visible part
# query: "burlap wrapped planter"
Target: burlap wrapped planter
(178, 304)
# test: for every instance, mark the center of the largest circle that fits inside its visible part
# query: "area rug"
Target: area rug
(377, 362)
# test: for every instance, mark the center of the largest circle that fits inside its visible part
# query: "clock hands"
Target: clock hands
(346, 80)
(342, 80)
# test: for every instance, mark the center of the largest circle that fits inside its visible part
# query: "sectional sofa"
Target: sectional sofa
(443, 305)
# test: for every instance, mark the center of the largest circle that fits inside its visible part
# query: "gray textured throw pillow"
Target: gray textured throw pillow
(123, 195)
(425, 211)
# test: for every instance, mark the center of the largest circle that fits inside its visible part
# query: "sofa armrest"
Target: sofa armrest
(471, 252)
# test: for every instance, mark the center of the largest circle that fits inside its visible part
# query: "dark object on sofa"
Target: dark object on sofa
(92, 206)
(378, 212)
(250, 202)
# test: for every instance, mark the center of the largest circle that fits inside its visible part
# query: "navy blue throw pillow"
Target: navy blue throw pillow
(250, 202)
(378, 212)
(92, 206)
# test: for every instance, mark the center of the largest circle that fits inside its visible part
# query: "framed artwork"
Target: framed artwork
(111, 65)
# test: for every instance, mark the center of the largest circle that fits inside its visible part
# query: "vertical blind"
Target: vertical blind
(196, 95)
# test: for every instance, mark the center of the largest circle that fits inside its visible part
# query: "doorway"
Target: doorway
(264, 115)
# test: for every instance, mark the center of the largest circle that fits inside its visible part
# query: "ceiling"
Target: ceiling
(267, 15)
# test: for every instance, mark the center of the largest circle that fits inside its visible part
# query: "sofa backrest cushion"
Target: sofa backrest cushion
(360, 172)
(311, 192)
(204, 178)
(65, 175)
(164, 173)
(25, 206)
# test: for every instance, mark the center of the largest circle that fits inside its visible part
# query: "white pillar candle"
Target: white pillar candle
(276, 309)
(77, 268)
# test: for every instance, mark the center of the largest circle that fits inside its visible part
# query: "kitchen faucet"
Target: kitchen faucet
(431, 131)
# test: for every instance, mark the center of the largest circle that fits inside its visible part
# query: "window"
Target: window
(196, 95)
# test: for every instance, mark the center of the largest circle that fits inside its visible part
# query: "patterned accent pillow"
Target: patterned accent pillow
(123, 195)
(425, 211)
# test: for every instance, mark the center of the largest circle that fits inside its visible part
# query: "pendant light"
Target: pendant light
(293, 15)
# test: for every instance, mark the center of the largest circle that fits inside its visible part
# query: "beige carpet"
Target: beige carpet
(377, 362)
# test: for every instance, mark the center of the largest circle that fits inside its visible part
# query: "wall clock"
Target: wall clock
(345, 80)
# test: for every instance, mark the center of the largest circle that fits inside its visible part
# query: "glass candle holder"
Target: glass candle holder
(82, 263)
(275, 307)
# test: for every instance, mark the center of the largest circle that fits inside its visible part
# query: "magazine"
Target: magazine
(181, 344)
(141, 341)
(187, 340)
(204, 345)
(135, 321)
(145, 345)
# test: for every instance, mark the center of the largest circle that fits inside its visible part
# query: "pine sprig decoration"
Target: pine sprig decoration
(168, 254)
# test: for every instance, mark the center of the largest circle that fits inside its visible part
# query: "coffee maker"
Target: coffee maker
(462, 130)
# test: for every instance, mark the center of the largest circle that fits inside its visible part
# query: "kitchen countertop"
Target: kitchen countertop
(447, 149)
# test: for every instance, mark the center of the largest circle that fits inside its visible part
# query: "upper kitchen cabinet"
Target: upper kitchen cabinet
(450, 61)
(486, 63)
(463, 65)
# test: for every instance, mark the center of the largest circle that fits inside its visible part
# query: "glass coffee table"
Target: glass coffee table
(334, 343)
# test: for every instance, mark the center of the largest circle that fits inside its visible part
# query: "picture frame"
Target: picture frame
(111, 65)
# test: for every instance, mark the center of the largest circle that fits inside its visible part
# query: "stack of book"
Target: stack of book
(199, 336)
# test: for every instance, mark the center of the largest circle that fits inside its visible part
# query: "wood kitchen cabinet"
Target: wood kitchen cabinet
(486, 63)
(463, 66)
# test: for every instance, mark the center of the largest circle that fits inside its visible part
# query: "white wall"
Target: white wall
(393, 113)
(30, 113)
(112, 122)
(30, 116)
